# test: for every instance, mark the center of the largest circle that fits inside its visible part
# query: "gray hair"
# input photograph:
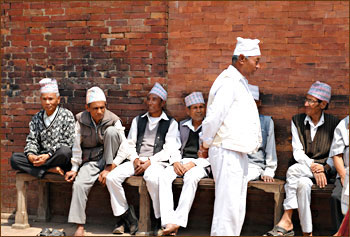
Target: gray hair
(235, 58)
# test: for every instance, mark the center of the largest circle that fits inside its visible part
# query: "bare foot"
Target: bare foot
(171, 229)
(79, 231)
(56, 170)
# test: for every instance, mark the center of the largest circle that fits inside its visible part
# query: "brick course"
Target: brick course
(126, 46)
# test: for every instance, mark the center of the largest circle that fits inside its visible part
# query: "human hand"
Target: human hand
(102, 177)
(179, 168)
(137, 162)
(70, 176)
(267, 179)
(32, 158)
(142, 167)
(321, 179)
(188, 166)
(41, 159)
(316, 168)
(202, 152)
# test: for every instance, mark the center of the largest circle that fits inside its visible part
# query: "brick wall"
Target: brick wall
(124, 47)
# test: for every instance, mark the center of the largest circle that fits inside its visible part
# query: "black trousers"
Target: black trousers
(337, 215)
(61, 158)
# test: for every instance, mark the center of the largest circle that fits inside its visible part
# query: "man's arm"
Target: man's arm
(217, 111)
(298, 149)
(77, 153)
(339, 166)
(32, 142)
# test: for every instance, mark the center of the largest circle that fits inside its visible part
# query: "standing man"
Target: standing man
(312, 134)
(263, 163)
(190, 168)
(50, 138)
(98, 134)
(231, 129)
(340, 153)
(151, 146)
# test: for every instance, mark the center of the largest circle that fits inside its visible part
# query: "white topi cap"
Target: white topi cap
(247, 47)
(95, 94)
(48, 85)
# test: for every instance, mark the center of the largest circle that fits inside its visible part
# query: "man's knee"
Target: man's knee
(16, 159)
(304, 185)
(64, 151)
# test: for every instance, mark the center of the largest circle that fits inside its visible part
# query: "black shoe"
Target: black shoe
(157, 227)
(130, 220)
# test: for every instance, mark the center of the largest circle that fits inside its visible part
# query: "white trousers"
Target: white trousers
(118, 175)
(254, 172)
(188, 192)
(230, 171)
(298, 194)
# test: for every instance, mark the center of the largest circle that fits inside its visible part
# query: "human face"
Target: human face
(196, 112)
(49, 102)
(97, 110)
(313, 107)
(250, 65)
(154, 105)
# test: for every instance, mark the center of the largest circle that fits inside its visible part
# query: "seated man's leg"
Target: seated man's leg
(111, 142)
(304, 202)
(166, 195)
(254, 172)
(114, 182)
(19, 161)
(82, 185)
(337, 215)
(188, 192)
(61, 159)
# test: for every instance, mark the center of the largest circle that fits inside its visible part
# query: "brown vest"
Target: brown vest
(91, 136)
(318, 149)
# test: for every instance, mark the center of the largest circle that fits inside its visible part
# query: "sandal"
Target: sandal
(279, 231)
(44, 232)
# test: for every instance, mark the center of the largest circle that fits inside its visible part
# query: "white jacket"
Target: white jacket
(232, 119)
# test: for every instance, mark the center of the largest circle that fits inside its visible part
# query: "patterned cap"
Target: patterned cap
(255, 91)
(321, 91)
(95, 94)
(48, 85)
(247, 47)
(194, 98)
(159, 91)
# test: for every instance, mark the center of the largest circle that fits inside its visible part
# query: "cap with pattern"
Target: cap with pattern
(159, 91)
(95, 94)
(255, 91)
(321, 91)
(194, 98)
(48, 85)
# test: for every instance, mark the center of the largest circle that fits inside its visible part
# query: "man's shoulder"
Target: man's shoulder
(298, 116)
(65, 112)
(331, 118)
(184, 121)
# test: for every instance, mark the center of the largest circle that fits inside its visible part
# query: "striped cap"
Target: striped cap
(321, 91)
(159, 91)
(194, 98)
(255, 91)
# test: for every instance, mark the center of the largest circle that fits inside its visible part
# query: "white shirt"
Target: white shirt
(48, 119)
(77, 151)
(190, 125)
(170, 150)
(298, 150)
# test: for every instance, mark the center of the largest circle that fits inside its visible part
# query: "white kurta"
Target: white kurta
(228, 97)
(117, 176)
(188, 192)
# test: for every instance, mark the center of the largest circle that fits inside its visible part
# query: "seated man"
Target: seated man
(98, 134)
(191, 168)
(263, 163)
(340, 153)
(312, 134)
(152, 142)
(51, 136)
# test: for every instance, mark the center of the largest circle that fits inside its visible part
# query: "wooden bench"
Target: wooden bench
(23, 179)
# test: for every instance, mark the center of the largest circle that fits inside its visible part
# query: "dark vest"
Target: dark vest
(318, 149)
(185, 136)
(160, 136)
(192, 145)
(91, 136)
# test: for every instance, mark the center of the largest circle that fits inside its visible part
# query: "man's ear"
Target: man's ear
(187, 111)
(163, 103)
(323, 104)
(241, 58)
(87, 107)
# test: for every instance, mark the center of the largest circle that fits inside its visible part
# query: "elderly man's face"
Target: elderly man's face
(196, 112)
(154, 105)
(313, 106)
(97, 110)
(250, 65)
(49, 102)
